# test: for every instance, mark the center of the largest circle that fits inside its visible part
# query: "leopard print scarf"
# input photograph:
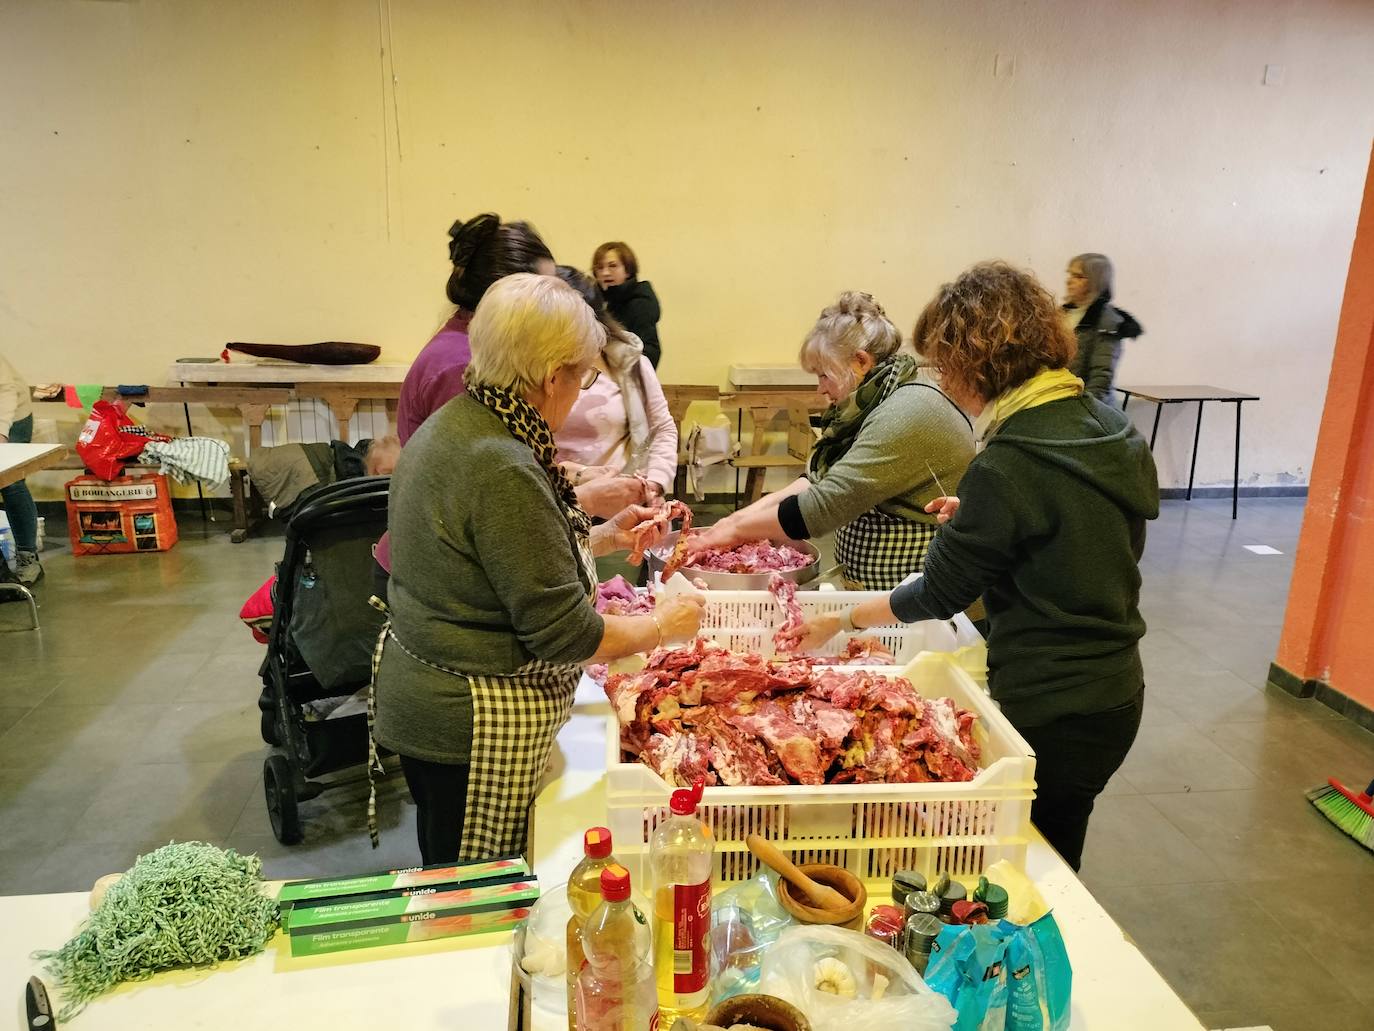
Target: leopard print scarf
(526, 425)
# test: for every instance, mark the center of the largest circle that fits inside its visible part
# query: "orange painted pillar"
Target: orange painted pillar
(1327, 647)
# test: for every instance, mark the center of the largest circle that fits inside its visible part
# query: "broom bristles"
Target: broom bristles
(1351, 812)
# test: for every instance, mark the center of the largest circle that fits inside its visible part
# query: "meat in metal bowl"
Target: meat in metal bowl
(657, 557)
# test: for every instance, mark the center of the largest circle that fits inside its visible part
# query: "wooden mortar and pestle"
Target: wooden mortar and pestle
(816, 893)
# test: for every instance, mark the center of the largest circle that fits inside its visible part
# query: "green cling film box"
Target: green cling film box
(494, 871)
(500, 914)
(407, 902)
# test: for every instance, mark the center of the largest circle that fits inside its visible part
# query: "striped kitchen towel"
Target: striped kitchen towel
(187, 459)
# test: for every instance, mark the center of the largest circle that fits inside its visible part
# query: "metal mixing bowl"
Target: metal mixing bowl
(658, 558)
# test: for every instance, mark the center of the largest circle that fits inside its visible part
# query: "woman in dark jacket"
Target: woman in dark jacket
(632, 302)
(1049, 534)
(1098, 326)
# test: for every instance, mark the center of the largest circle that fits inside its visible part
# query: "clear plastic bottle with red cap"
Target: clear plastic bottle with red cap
(584, 896)
(615, 988)
(681, 860)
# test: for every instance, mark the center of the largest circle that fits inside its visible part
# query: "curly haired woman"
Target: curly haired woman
(1048, 530)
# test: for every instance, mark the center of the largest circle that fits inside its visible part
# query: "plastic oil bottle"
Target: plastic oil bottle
(584, 896)
(681, 856)
(615, 988)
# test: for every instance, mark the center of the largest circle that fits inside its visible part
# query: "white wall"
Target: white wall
(177, 173)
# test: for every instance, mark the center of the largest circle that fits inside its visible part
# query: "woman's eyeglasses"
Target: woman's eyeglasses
(589, 377)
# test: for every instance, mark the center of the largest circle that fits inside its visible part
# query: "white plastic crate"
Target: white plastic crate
(873, 830)
(746, 620)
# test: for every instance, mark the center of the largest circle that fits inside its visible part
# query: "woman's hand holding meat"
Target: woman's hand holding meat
(608, 495)
(615, 534)
(723, 534)
(816, 631)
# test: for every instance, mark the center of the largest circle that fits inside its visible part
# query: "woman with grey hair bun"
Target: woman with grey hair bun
(1098, 326)
(493, 580)
(888, 440)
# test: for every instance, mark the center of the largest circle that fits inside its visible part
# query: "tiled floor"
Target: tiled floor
(131, 719)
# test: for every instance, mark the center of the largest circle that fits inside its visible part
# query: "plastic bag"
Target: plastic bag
(745, 921)
(880, 989)
(1003, 976)
(109, 437)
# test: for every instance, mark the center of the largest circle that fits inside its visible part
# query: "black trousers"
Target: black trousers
(1074, 758)
(441, 793)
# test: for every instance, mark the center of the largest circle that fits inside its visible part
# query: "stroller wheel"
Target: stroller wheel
(279, 786)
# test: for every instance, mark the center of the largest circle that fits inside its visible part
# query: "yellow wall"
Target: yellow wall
(177, 173)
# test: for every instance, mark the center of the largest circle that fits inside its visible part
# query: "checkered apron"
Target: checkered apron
(879, 551)
(515, 718)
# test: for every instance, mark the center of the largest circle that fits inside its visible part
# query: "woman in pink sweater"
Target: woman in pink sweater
(619, 444)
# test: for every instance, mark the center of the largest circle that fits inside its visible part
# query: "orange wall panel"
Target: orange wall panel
(1328, 630)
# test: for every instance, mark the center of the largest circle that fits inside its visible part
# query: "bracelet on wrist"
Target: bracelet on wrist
(659, 627)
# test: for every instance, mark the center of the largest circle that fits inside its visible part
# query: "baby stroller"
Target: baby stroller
(319, 649)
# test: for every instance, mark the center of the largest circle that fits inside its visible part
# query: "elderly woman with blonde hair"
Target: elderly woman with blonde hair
(493, 581)
(888, 439)
(1048, 530)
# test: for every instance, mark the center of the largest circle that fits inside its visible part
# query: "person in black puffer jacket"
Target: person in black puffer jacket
(632, 301)
(1098, 325)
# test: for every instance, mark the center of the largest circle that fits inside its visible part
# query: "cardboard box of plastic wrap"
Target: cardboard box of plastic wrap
(493, 871)
(409, 914)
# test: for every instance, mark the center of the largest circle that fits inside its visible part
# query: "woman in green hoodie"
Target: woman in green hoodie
(1048, 530)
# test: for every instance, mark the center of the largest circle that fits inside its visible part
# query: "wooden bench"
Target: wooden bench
(763, 407)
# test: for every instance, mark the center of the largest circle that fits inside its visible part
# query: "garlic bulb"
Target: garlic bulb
(834, 977)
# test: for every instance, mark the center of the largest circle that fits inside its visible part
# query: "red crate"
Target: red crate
(116, 517)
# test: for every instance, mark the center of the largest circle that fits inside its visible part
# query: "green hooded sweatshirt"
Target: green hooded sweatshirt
(1049, 533)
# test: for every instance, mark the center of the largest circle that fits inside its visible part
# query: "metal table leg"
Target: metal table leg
(8, 585)
(1192, 468)
(1159, 408)
(1235, 476)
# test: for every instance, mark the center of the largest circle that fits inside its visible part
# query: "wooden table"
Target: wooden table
(1162, 396)
(763, 407)
(18, 461)
(339, 386)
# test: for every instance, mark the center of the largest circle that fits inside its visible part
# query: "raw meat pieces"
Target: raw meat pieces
(864, 651)
(750, 557)
(788, 637)
(643, 535)
(703, 711)
(617, 597)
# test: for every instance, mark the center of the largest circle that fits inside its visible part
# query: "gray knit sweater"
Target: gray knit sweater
(484, 578)
(885, 468)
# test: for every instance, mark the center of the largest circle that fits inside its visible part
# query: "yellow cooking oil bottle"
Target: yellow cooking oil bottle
(584, 895)
(681, 857)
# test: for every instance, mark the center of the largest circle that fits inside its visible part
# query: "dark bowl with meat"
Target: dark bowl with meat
(719, 580)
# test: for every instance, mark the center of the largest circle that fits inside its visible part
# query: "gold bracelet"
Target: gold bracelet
(659, 627)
